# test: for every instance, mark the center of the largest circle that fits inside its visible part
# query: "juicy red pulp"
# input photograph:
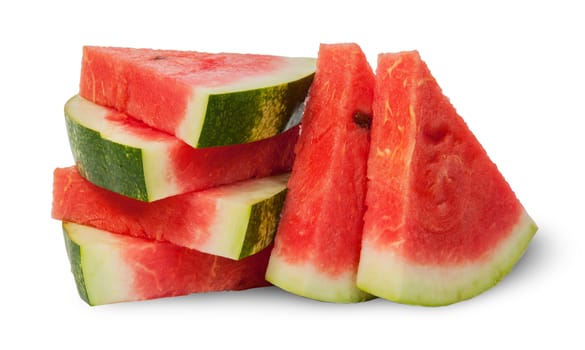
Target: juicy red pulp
(434, 195)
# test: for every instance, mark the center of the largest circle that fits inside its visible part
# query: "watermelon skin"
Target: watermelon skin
(317, 244)
(110, 268)
(203, 99)
(442, 223)
(121, 154)
(233, 221)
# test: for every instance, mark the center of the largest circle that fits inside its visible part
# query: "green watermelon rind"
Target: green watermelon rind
(390, 277)
(262, 225)
(250, 115)
(98, 269)
(107, 164)
(304, 280)
(74, 255)
(128, 166)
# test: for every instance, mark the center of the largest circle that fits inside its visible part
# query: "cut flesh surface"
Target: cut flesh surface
(317, 244)
(124, 155)
(233, 221)
(112, 268)
(204, 99)
(442, 224)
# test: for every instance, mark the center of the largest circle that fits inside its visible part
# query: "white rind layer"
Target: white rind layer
(389, 276)
(107, 277)
(228, 231)
(304, 280)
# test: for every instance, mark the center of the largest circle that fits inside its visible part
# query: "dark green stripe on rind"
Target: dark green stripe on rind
(262, 225)
(105, 163)
(246, 116)
(74, 254)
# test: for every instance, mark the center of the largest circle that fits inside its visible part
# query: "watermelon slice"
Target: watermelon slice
(442, 225)
(111, 268)
(233, 221)
(317, 244)
(203, 99)
(124, 155)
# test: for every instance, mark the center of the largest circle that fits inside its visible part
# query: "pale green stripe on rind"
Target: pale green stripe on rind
(305, 280)
(101, 275)
(74, 255)
(110, 157)
(246, 217)
(389, 276)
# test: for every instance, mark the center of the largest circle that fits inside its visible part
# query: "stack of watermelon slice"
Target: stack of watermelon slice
(191, 175)
(181, 165)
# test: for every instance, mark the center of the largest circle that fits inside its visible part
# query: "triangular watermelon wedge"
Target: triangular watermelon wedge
(442, 224)
(204, 99)
(317, 244)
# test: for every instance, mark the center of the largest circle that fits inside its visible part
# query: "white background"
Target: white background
(513, 70)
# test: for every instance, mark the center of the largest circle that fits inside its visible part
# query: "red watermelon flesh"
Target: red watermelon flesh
(111, 268)
(318, 240)
(442, 223)
(233, 221)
